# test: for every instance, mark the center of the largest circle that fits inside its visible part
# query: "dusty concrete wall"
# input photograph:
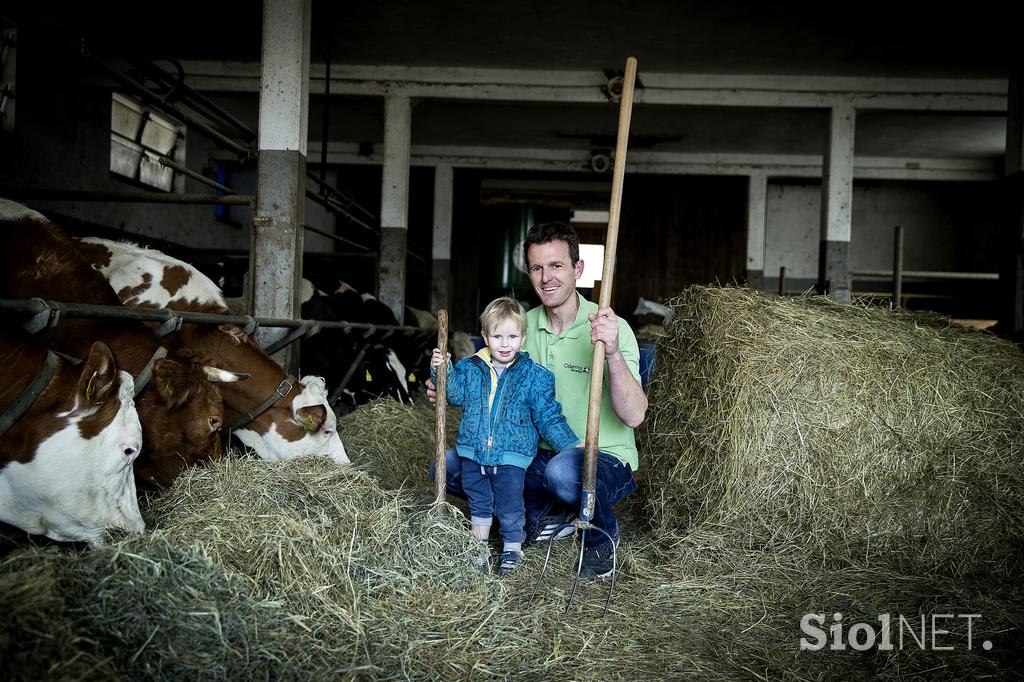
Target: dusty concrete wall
(947, 226)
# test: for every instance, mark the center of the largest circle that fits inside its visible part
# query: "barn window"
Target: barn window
(591, 225)
(592, 256)
(141, 141)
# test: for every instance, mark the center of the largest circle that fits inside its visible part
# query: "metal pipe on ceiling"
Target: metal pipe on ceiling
(37, 306)
(185, 170)
(46, 194)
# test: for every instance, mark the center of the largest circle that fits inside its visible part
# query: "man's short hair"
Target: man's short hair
(501, 309)
(550, 232)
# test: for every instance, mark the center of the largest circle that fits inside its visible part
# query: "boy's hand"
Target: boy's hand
(431, 390)
(436, 359)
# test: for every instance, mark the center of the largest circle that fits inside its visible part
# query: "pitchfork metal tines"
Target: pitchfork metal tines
(584, 527)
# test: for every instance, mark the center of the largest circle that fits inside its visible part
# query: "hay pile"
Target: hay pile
(300, 570)
(395, 443)
(857, 432)
(141, 608)
(303, 570)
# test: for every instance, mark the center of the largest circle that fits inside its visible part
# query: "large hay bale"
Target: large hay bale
(856, 431)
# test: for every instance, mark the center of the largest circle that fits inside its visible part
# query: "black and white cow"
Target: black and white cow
(357, 369)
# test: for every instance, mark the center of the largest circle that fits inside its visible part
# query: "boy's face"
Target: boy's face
(504, 340)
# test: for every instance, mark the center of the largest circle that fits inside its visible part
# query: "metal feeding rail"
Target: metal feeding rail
(46, 314)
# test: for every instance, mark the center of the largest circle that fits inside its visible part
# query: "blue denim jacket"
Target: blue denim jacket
(501, 417)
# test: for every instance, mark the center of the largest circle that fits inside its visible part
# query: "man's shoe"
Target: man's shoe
(509, 561)
(597, 562)
(554, 524)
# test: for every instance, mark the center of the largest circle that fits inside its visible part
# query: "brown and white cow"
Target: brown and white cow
(66, 455)
(301, 422)
(181, 409)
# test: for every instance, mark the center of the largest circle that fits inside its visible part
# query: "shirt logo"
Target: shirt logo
(579, 369)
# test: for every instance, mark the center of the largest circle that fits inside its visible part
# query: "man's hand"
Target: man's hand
(431, 391)
(604, 326)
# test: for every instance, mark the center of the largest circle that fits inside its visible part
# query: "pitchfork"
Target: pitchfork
(588, 493)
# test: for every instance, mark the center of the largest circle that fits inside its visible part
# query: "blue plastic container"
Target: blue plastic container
(646, 362)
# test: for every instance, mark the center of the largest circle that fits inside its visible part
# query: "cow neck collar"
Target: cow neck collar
(147, 372)
(44, 375)
(283, 389)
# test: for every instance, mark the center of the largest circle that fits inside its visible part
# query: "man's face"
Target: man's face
(552, 273)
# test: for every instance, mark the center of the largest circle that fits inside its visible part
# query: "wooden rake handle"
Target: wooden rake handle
(441, 411)
(588, 496)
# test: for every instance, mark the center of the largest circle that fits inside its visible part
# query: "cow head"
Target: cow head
(182, 412)
(79, 479)
(302, 423)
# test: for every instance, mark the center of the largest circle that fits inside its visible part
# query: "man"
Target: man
(561, 335)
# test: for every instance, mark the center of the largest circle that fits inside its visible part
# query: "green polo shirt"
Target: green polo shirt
(569, 356)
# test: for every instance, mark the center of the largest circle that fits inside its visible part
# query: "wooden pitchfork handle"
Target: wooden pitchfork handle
(588, 497)
(441, 410)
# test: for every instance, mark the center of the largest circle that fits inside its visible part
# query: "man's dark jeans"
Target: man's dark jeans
(553, 483)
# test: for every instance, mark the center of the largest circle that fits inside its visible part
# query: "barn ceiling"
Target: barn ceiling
(866, 40)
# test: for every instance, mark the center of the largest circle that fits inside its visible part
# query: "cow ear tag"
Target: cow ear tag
(308, 423)
(368, 377)
(88, 386)
(411, 378)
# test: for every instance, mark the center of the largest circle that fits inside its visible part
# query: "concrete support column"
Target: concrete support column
(757, 214)
(837, 205)
(394, 203)
(1011, 269)
(441, 253)
(275, 265)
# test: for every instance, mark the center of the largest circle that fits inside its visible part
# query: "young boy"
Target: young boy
(506, 399)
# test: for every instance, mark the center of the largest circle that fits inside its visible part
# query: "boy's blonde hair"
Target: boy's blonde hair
(500, 309)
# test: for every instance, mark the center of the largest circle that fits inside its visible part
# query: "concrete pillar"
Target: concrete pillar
(394, 203)
(837, 206)
(1011, 269)
(275, 266)
(440, 281)
(757, 202)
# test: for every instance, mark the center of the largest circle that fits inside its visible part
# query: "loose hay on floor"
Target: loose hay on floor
(303, 570)
(855, 431)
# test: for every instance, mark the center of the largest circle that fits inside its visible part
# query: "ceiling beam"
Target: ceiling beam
(674, 163)
(521, 85)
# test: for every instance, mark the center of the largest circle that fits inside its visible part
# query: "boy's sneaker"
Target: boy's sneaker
(597, 562)
(552, 524)
(509, 561)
